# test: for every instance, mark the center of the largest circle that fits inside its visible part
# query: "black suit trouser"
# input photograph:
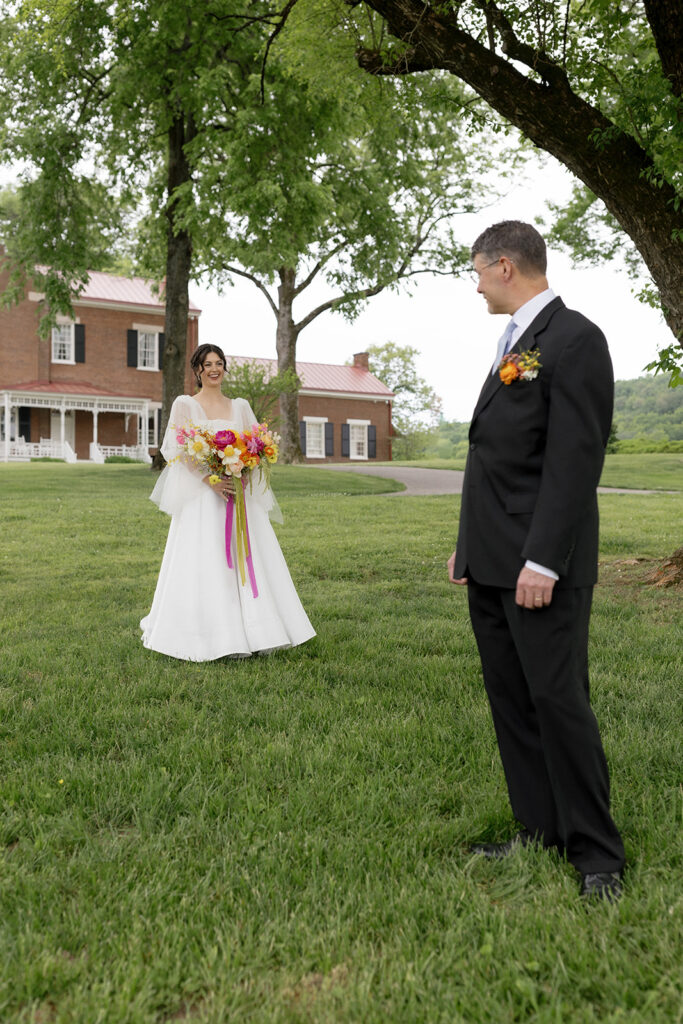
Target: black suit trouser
(535, 666)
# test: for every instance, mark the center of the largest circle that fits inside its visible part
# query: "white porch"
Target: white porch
(63, 407)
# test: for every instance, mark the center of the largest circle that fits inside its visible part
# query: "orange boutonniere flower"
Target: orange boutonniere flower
(520, 366)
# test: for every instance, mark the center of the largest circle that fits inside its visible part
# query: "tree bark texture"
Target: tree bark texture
(666, 21)
(286, 338)
(551, 115)
(178, 266)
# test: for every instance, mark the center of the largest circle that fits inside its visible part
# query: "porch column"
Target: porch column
(145, 427)
(62, 425)
(95, 414)
(8, 421)
(16, 422)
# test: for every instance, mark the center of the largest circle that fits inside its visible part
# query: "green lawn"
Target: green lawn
(283, 839)
(655, 471)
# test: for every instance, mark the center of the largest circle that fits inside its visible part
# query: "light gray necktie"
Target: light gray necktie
(504, 345)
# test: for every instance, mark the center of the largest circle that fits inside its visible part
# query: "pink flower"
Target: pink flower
(255, 445)
(224, 438)
(180, 438)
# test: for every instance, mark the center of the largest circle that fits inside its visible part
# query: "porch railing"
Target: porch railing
(24, 451)
(99, 452)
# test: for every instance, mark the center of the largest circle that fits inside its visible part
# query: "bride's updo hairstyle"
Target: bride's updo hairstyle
(198, 357)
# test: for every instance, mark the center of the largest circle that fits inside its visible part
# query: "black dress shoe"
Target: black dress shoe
(495, 851)
(601, 885)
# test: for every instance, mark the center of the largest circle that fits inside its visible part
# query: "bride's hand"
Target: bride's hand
(225, 486)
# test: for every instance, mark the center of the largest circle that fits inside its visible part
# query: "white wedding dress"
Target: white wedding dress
(201, 610)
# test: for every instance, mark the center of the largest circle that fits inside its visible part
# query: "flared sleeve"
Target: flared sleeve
(181, 481)
(257, 490)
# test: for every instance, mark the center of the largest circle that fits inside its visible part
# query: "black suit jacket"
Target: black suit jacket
(536, 454)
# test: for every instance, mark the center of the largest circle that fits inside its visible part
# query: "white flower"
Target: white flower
(529, 374)
(198, 447)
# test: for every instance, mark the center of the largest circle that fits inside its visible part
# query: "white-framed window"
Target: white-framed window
(358, 438)
(148, 350)
(315, 436)
(63, 345)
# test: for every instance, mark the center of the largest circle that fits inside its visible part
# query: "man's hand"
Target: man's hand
(451, 566)
(534, 589)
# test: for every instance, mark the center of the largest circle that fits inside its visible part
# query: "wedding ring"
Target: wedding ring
(538, 600)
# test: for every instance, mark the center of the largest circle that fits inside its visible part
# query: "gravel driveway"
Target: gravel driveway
(435, 481)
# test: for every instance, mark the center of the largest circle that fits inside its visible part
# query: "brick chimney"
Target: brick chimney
(360, 360)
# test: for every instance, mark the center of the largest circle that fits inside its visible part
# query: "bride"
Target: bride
(201, 610)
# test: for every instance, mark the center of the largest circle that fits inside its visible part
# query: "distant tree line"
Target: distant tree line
(648, 416)
(647, 408)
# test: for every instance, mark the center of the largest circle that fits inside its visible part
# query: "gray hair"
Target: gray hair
(517, 240)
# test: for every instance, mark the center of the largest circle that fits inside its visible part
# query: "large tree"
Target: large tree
(118, 92)
(336, 194)
(596, 84)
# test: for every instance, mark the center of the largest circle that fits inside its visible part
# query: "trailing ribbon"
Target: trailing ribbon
(237, 506)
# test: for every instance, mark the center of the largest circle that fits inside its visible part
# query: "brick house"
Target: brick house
(93, 387)
(344, 411)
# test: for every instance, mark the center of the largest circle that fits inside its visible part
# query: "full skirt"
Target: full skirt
(201, 610)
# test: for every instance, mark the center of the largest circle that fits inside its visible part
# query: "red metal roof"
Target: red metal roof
(124, 291)
(328, 377)
(51, 387)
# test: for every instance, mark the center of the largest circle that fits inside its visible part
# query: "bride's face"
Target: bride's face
(213, 370)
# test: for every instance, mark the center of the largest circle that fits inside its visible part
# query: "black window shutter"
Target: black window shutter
(162, 342)
(346, 440)
(302, 436)
(372, 441)
(25, 422)
(132, 348)
(329, 439)
(79, 340)
(157, 415)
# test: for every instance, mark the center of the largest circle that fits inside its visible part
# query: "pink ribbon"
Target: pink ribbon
(229, 510)
(228, 529)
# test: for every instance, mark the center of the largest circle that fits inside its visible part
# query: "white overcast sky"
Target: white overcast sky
(444, 319)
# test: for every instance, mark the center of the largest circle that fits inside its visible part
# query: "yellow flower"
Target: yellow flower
(61, 782)
(213, 479)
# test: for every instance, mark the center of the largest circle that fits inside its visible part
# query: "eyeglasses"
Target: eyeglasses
(476, 274)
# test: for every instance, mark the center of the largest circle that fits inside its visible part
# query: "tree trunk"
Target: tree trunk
(178, 266)
(286, 338)
(548, 112)
(667, 28)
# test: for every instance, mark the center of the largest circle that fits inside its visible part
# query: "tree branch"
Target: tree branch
(317, 268)
(254, 280)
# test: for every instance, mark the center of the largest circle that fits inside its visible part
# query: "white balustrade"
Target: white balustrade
(99, 452)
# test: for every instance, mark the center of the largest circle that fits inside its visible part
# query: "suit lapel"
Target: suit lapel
(523, 344)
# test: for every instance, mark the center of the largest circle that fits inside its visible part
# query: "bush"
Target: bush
(121, 458)
(642, 445)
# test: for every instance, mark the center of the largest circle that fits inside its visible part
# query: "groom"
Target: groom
(527, 551)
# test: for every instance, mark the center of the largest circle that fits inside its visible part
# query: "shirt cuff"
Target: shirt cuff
(541, 568)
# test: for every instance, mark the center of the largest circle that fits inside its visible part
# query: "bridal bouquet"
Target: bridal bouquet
(229, 453)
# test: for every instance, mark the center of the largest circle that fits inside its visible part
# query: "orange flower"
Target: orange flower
(508, 373)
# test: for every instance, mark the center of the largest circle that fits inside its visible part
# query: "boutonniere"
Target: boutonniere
(520, 366)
